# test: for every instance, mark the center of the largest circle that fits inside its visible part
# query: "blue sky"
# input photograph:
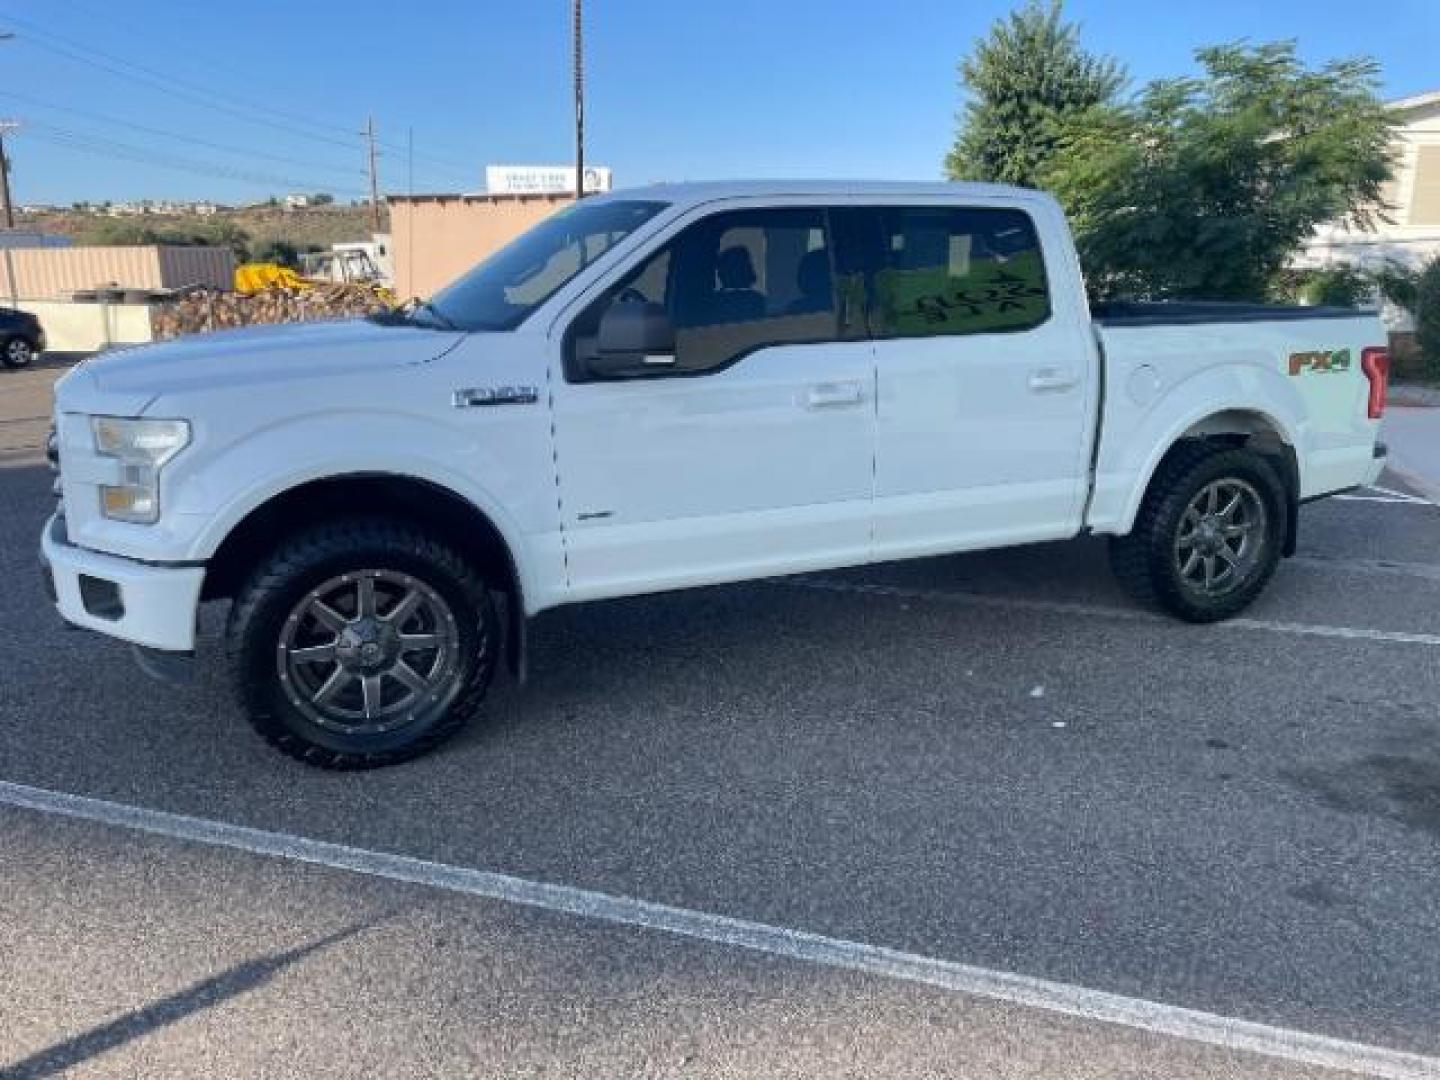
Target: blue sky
(678, 89)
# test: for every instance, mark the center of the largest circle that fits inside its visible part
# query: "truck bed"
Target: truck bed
(1192, 312)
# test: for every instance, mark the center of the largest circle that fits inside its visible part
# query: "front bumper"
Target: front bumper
(148, 605)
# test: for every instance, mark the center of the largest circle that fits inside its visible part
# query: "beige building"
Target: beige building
(1413, 233)
(436, 238)
(54, 273)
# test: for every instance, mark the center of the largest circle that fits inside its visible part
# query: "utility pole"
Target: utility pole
(374, 177)
(6, 126)
(579, 100)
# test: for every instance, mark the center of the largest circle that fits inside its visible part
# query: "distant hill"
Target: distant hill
(250, 231)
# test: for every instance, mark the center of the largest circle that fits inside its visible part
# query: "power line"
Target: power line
(197, 93)
(178, 136)
(113, 148)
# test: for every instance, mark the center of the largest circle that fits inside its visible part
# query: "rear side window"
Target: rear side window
(951, 271)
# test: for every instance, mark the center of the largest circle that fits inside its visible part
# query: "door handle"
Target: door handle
(834, 396)
(1045, 379)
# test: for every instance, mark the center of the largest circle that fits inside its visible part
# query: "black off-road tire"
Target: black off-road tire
(1144, 561)
(17, 351)
(285, 578)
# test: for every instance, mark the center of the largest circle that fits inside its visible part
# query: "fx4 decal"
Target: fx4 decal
(1320, 361)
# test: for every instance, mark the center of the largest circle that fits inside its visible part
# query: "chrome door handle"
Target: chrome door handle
(834, 396)
(1045, 379)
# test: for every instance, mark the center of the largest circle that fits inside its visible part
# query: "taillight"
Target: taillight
(1375, 363)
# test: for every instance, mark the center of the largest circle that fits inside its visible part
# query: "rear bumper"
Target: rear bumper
(152, 606)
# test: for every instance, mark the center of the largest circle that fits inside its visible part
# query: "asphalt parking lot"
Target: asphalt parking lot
(992, 761)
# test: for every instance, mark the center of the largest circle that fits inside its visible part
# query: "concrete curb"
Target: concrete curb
(1409, 396)
(1427, 489)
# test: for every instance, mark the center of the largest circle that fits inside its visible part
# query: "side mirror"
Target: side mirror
(632, 336)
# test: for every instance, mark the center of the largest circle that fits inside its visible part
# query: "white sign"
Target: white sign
(542, 179)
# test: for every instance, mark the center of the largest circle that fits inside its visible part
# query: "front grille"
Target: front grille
(52, 455)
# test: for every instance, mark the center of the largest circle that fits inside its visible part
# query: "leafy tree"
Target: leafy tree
(321, 198)
(1023, 79)
(1340, 285)
(1204, 187)
(275, 250)
(1427, 317)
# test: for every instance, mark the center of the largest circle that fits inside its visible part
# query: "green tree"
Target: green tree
(1427, 318)
(1022, 80)
(1206, 186)
(1341, 285)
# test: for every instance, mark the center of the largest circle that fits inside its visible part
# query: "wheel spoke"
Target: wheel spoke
(371, 688)
(416, 642)
(408, 677)
(328, 616)
(1230, 558)
(1209, 572)
(1212, 498)
(314, 654)
(1190, 564)
(405, 608)
(1227, 512)
(1235, 532)
(338, 680)
(365, 597)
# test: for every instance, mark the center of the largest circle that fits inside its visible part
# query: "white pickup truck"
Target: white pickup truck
(678, 386)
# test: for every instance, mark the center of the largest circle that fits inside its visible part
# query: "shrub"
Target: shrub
(1427, 317)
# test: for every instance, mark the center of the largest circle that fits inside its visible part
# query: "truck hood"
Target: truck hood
(126, 380)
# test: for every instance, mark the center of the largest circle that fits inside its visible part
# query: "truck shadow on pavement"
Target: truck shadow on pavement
(240, 979)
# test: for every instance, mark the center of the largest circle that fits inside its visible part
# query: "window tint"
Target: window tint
(731, 284)
(958, 271)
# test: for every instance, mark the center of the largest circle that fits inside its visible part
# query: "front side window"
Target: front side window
(964, 270)
(500, 292)
(729, 285)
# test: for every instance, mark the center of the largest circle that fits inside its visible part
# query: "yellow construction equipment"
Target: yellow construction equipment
(252, 278)
(257, 277)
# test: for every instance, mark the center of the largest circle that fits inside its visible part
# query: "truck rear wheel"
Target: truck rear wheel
(360, 644)
(1208, 535)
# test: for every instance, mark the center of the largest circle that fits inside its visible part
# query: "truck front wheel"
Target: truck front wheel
(1208, 535)
(361, 643)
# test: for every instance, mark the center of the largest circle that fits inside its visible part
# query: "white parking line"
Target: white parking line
(1401, 501)
(1101, 611)
(798, 945)
(1397, 494)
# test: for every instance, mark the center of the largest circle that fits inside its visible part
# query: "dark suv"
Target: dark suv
(21, 338)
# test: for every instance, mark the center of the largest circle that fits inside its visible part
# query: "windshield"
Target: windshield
(501, 291)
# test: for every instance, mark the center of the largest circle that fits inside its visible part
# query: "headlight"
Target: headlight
(142, 447)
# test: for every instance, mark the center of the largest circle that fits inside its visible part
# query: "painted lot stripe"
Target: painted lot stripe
(1061, 607)
(1400, 501)
(798, 945)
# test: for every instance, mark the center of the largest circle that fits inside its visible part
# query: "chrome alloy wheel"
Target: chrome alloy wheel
(362, 653)
(1222, 536)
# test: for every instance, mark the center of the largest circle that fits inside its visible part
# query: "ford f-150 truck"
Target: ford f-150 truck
(678, 386)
